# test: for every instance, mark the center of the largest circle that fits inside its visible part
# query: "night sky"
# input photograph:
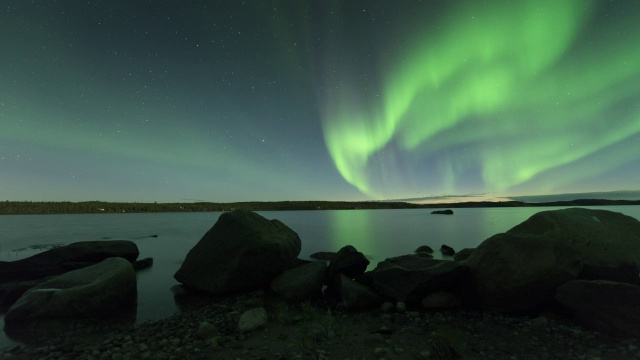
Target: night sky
(172, 101)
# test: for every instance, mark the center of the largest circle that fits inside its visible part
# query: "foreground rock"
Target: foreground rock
(301, 283)
(99, 290)
(347, 261)
(599, 236)
(355, 295)
(62, 259)
(607, 306)
(514, 272)
(242, 251)
(410, 278)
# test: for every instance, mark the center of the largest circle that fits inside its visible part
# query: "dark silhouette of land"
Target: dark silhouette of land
(97, 207)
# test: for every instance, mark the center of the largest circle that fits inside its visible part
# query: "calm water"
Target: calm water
(377, 233)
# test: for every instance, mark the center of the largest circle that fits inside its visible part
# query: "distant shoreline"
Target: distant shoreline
(100, 207)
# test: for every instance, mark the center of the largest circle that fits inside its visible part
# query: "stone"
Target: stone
(99, 290)
(424, 249)
(443, 212)
(515, 272)
(301, 283)
(323, 255)
(599, 236)
(441, 300)
(347, 261)
(622, 272)
(253, 319)
(242, 251)
(357, 296)
(59, 260)
(447, 250)
(409, 278)
(206, 330)
(463, 254)
(606, 306)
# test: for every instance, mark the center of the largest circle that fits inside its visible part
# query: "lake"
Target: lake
(377, 233)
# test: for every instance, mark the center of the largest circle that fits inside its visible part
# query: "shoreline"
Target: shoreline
(99, 207)
(315, 330)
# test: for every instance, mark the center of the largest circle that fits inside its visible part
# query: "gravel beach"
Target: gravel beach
(208, 330)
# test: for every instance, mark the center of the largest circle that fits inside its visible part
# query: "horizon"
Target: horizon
(342, 101)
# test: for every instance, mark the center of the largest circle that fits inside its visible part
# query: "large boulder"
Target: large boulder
(98, 290)
(242, 251)
(600, 236)
(514, 272)
(607, 306)
(355, 295)
(409, 278)
(302, 282)
(347, 261)
(58, 260)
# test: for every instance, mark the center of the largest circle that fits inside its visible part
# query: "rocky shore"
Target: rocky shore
(312, 330)
(523, 294)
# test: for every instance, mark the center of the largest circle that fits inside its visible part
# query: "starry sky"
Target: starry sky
(172, 101)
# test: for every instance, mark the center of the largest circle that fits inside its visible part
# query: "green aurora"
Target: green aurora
(523, 87)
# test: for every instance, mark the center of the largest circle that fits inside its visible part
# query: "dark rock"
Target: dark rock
(142, 263)
(447, 250)
(443, 212)
(424, 255)
(242, 251)
(409, 278)
(463, 254)
(606, 306)
(424, 249)
(355, 295)
(253, 319)
(441, 300)
(10, 292)
(323, 255)
(626, 273)
(348, 261)
(52, 262)
(600, 236)
(301, 283)
(514, 272)
(99, 290)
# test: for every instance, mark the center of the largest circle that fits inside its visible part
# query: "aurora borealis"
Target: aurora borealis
(327, 100)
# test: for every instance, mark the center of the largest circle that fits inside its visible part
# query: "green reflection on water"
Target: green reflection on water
(352, 227)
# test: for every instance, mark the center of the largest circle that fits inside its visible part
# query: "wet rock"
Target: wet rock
(242, 251)
(424, 249)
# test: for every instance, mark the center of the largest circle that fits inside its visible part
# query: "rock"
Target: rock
(99, 290)
(301, 283)
(424, 249)
(409, 278)
(623, 272)
(443, 212)
(206, 331)
(357, 296)
(10, 292)
(348, 261)
(142, 263)
(441, 300)
(463, 254)
(52, 261)
(252, 319)
(600, 236)
(447, 250)
(323, 255)
(424, 255)
(606, 306)
(242, 251)
(514, 272)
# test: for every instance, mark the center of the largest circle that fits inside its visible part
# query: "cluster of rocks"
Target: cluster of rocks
(83, 279)
(584, 262)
